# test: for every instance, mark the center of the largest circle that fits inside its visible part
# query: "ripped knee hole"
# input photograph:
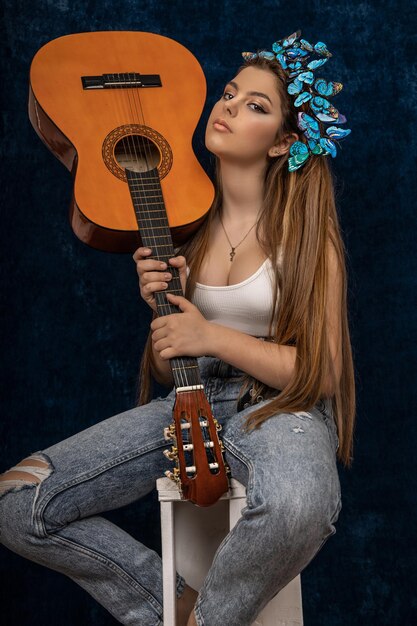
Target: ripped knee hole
(31, 470)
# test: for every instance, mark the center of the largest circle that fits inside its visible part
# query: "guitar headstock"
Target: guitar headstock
(197, 450)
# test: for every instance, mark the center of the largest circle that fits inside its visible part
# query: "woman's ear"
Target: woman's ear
(284, 145)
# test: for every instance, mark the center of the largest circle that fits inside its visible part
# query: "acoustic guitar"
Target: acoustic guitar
(103, 101)
(119, 109)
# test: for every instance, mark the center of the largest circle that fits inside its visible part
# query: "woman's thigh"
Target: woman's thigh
(289, 462)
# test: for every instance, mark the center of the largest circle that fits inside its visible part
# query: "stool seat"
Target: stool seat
(190, 537)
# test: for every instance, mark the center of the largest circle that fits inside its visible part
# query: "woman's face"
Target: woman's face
(251, 109)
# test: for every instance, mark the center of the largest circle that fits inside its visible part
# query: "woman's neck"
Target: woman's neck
(242, 188)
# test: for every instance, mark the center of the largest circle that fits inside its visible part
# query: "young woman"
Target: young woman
(265, 312)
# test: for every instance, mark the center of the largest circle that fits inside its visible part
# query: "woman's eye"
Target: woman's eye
(257, 108)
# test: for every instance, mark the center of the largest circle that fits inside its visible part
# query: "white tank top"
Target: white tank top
(245, 306)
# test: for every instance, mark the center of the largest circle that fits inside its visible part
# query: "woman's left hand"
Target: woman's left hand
(181, 334)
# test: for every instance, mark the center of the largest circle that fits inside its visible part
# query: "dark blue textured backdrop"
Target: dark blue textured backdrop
(73, 326)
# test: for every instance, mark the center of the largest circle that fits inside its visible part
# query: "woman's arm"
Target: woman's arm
(188, 333)
(274, 364)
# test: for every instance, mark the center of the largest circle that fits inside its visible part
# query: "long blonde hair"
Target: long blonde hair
(298, 218)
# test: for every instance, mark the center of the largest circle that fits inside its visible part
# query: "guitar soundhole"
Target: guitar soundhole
(136, 147)
(137, 153)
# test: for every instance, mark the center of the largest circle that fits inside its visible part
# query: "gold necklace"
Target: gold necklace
(233, 248)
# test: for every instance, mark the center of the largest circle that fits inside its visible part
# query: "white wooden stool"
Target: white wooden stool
(190, 538)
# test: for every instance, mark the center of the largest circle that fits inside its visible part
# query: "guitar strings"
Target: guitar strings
(130, 118)
(140, 118)
(134, 117)
(165, 306)
(137, 112)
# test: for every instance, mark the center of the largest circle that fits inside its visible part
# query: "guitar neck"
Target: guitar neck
(151, 216)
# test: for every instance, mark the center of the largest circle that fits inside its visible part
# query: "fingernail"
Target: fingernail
(163, 266)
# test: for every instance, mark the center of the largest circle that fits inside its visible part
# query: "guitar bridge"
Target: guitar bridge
(121, 80)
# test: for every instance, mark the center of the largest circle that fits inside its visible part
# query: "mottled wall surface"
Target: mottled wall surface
(73, 326)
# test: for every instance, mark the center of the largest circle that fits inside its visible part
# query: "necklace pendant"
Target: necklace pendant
(232, 254)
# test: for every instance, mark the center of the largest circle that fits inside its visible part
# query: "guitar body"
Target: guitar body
(87, 104)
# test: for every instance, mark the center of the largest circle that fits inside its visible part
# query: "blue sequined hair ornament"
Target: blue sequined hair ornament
(293, 55)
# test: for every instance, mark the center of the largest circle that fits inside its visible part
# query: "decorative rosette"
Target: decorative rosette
(293, 55)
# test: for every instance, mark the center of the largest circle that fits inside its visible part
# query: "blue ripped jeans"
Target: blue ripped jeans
(293, 500)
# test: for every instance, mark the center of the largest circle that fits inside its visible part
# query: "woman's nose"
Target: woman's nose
(229, 108)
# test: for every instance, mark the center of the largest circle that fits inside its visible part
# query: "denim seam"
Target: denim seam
(249, 465)
(233, 450)
(329, 534)
(198, 616)
(117, 569)
(330, 425)
(332, 430)
(43, 502)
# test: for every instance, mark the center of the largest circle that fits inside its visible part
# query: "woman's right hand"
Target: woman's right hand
(155, 275)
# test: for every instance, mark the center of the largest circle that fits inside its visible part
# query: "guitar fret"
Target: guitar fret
(150, 202)
(159, 237)
(173, 291)
(158, 257)
(154, 228)
(138, 195)
(154, 211)
(144, 218)
(147, 190)
(145, 182)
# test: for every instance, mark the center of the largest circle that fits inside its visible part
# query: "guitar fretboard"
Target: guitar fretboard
(148, 203)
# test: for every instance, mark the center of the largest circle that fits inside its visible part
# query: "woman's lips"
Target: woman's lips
(222, 126)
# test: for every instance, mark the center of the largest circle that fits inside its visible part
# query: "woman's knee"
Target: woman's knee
(19, 487)
(31, 470)
(288, 517)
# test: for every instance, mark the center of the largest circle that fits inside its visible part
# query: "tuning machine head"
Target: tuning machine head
(169, 432)
(174, 475)
(172, 454)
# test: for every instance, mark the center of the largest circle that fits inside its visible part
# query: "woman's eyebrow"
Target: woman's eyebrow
(250, 93)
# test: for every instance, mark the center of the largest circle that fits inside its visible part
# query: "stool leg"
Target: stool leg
(168, 563)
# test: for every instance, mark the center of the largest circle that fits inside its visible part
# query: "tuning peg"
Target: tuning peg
(172, 454)
(218, 426)
(173, 475)
(169, 432)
